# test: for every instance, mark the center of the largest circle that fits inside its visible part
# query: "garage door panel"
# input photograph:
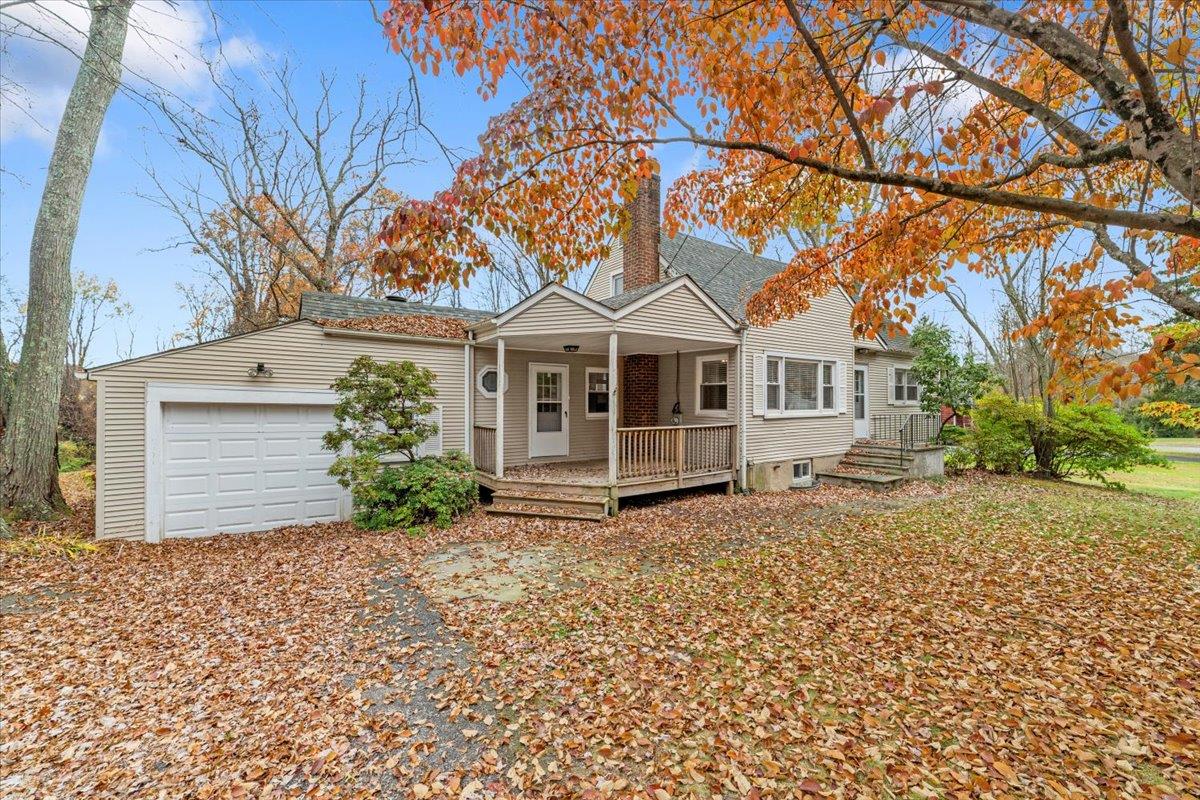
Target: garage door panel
(190, 418)
(184, 523)
(186, 450)
(240, 468)
(232, 418)
(236, 482)
(237, 449)
(324, 510)
(184, 486)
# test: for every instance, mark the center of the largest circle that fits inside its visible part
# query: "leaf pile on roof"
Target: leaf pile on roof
(429, 325)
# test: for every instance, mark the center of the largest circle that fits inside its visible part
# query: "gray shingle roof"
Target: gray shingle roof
(327, 305)
(730, 276)
(625, 298)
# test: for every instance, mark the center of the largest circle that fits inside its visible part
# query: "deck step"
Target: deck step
(546, 513)
(549, 504)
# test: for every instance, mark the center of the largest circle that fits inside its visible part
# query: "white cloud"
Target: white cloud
(167, 48)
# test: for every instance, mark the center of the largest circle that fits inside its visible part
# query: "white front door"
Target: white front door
(549, 430)
(862, 426)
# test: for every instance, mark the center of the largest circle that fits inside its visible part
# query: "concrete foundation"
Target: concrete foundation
(776, 476)
(928, 462)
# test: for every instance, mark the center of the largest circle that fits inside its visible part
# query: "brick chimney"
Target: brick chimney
(639, 258)
(639, 264)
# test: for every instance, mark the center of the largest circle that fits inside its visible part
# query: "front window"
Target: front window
(796, 384)
(618, 284)
(597, 392)
(906, 389)
(714, 384)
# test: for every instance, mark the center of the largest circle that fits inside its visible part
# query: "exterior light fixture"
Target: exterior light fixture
(571, 348)
(260, 370)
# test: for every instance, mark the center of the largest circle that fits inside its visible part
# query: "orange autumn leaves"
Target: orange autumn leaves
(965, 143)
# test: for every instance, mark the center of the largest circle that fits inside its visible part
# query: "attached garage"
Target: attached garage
(199, 440)
(241, 467)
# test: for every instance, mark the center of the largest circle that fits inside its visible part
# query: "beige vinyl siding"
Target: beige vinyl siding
(687, 388)
(681, 313)
(556, 313)
(879, 366)
(600, 286)
(300, 355)
(588, 437)
(821, 332)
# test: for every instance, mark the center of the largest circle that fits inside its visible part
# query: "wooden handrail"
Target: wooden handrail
(675, 452)
(483, 448)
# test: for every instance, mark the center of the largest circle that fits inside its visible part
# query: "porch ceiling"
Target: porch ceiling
(596, 343)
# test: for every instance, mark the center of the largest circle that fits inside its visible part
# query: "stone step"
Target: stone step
(875, 464)
(881, 451)
(876, 482)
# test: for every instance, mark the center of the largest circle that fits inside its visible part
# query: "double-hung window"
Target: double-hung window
(597, 392)
(796, 385)
(905, 388)
(712, 391)
(616, 284)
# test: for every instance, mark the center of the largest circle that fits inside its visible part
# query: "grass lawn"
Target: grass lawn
(985, 637)
(1178, 446)
(1180, 480)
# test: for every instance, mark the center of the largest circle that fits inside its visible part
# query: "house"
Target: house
(649, 380)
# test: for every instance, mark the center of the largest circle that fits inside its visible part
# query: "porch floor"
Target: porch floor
(593, 472)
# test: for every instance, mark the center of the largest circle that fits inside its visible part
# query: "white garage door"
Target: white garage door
(232, 468)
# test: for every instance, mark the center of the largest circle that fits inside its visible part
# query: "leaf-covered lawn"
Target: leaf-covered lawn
(987, 638)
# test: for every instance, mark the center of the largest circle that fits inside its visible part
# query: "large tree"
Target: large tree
(290, 196)
(932, 136)
(28, 469)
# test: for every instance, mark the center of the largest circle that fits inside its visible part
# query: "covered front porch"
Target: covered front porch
(573, 398)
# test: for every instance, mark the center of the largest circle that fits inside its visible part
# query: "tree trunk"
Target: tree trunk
(28, 479)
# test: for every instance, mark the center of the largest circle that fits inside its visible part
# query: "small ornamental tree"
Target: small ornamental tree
(383, 408)
(946, 378)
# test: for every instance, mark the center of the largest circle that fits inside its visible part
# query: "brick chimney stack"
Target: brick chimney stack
(639, 258)
(639, 265)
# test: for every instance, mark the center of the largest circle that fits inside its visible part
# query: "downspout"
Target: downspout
(742, 406)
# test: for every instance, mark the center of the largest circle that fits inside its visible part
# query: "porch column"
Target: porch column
(500, 387)
(612, 408)
(468, 400)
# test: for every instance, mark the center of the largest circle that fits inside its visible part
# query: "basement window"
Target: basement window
(802, 472)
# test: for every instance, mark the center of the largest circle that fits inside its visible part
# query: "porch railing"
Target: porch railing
(483, 448)
(909, 430)
(674, 451)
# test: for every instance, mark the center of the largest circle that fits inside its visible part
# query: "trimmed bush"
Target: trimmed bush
(1080, 439)
(435, 489)
(1093, 440)
(1000, 438)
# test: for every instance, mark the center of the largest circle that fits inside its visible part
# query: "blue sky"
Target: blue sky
(128, 238)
